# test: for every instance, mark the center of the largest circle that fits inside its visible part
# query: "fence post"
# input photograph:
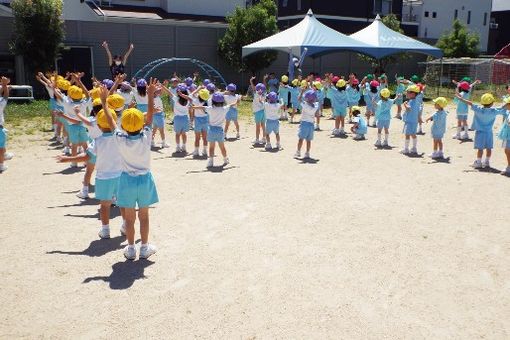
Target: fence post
(440, 75)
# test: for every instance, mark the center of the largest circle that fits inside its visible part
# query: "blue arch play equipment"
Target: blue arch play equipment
(210, 72)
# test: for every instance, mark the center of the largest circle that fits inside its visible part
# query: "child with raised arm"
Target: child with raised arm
(259, 91)
(383, 117)
(181, 104)
(4, 96)
(438, 126)
(271, 109)
(232, 115)
(463, 89)
(136, 184)
(411, 118)
(483, 121)
(309, 111)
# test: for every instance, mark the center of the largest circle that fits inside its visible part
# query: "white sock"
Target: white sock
(406, 144)
(143, 245)
(466, 129)
(478, 159)
(196, 148)
(378, 137)
(386, 137)
(487, 159)
(459, 129)
(85, 188)
(106, 226)
(415, 142)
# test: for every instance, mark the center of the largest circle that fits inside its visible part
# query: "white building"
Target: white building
(436, 16)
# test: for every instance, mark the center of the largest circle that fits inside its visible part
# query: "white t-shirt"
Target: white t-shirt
(232, 98)
(51, 91)
(140, 99)
(109, 160)
(198, 112)
(69, 105)
(158, 104)
(3, 104)
(135, 151)
(308, 112)
(180, 110)
(94, 130)
(128, 96)
(272, 110)
(257, 105)
(217, 115)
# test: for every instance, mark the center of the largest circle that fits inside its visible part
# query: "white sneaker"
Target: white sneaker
(195, 153)
(66, 150)
(165, 145)
(487, 164)
(405, 151)
(83, 194)
(465, 136)
(378, 143)
(255, 142)
(238, 136)
(268, 146)
(297, 154)
(183, 149)
(153, 144)
(104, 232)
(414, 151)
(433, 155)
(477, 164)
(3, 167)
(384, 143)
(440, 154)
(456, 136)
(210, 162)
(506, 171)
(8, 156)
(335, 132)
(204, 152)
(278, 146)
(307, 155)
(226, 161)
(147, 251)
(130, 252)
(263, 141)
(177, 149)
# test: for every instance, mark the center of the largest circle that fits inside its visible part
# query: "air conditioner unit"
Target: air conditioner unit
(493, 26)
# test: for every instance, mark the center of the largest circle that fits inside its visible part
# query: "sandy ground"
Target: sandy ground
(360, 244)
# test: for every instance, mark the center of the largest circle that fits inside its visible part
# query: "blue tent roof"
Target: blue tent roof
(387, 41)
(309, 33)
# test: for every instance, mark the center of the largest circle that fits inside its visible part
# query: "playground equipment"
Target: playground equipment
(208, 70)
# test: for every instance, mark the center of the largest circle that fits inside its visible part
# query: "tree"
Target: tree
(38, 32)
(391, 21)
(459, 42)
(247, 25)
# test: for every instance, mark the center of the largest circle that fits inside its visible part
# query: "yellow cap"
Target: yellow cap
(295, 82)
(132, 120)
(441, 101)
(63, 84)
(487, 99)
(96, 102)
(102, 120)
(115, 101)
(75, 92)
(94, 93)
(385, 93)
(304, 83)
(413, 88)
(341, 83)
(355, 108)
(285, 79)
(204, 94)
(317, 84)
(59, 77)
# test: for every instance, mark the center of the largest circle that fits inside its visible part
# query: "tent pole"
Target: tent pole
(440, 75)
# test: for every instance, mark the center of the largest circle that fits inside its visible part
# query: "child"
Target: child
(127, 93)
(339, 102)
(136, 184)
(259, 92)
(383, 81)
(47, 83)
(181, 116)
(309, 111)
(158, 120)
(383, 117)
(464, 89)
(215, 134)
(504, 135)
(141, 95)
(319, 89)
(483, 121)
(271, 109)
(411, 117)
(419, 98)
(399, 96)
(201, 120)
(360, 125)
(233, 99)
(353, 95)
(438, 126)
(294, 94)
(4, 96)
(283, 96)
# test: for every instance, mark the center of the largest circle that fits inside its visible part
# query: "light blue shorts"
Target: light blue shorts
(136, 190)
(383, 124)
(339, 111)
(260, 116)
(410, 128)
(201, 124)
(294, 104)
(437, 136)
(484, 140)
(107, 188)
(142, 107)
(351, 104)
(92, 157)
(462, 116)
(215, 134)
(285, 100)
(158, 120)
(3, 138)
(232, 114)
(181, 124)
(272, 125)
(305, 131)
(77, 133)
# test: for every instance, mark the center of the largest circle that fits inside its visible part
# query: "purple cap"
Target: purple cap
(218, 97)
(206, 82)
(272, 97)
(108, 83)
(260, 87)
(125, 86)
(188, 81)
(310, 96)
(231, 87)
(192, 87)
(141, 83)
(182, 87)
(211, 87)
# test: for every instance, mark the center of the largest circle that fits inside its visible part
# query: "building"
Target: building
(436, 16)
(499, 35)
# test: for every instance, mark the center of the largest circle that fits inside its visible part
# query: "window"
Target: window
(434, 14)
(456, 15)
(485, 19)
(426, 14)
(284, 3)
(469, 17)
(382, 6)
